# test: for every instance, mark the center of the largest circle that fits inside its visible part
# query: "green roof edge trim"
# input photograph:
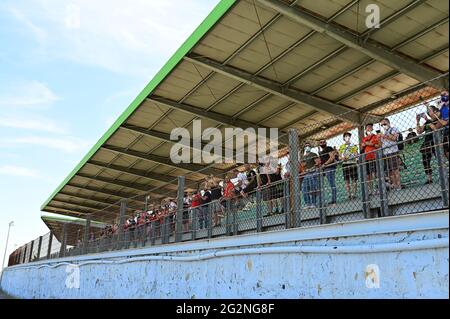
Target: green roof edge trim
(213, 17)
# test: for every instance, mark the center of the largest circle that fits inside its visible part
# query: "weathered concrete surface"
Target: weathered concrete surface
(372, 259)
(4, 296)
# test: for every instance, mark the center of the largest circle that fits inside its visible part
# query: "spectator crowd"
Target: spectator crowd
(206, 206)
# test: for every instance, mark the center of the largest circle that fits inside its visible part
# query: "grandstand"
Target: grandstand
(312, 69)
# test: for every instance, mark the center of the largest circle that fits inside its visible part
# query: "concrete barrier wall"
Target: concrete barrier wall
(395, 257)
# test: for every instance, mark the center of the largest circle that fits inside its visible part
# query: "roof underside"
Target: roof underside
(75, 228)
(248, 65)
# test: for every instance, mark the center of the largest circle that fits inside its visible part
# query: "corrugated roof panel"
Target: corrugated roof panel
(306, 54)
(356, 80)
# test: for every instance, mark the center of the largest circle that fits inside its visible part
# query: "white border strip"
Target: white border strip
(394, 224)
(349, 249)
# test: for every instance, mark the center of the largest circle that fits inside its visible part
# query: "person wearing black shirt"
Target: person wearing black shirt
(252, 181)
(328, 162)
(204, 208)
(427, 149)
(275, 190)
(263, 182)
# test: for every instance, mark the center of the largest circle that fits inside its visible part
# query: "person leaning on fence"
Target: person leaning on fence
(216, 194)
(389, 142)
(348, 153)
(310, 177)
(328, 163)
(428, 148)
(369, 145)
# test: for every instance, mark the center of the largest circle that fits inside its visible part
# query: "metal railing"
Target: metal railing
(381, 183)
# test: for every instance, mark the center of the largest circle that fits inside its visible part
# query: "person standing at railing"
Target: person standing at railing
(428, 148)
(195, 205)
(392, 162)
(442, 120)
(328, 163)
(348, 154)
(204, 208)
(310, 177)
(275, 191)
(216, 194)
(369, 144)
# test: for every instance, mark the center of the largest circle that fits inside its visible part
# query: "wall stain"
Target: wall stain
(249, 265)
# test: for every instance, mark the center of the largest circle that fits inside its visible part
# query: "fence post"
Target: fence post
(152, 233)
(381, 183)
(163, 230)
(123, 209)
(49, 249)
(443, 175)
(39, 248)
(294, 171)
(179, 215)
(227, 217)
(194, 222)
(209, 219)
(258, 211)
(322, 209)
(62, 250)
(30, 259)
(363, 175)
(287, 202)
(167, 227)
(234, 221)
(87, 227)
(25, 254)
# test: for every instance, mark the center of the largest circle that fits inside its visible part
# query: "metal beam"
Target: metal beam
(164, 137)
(365, 87)
(87, 206)
(384, 78)
(136, 172)
(341, 111)
(88, 198)
(213, 116)
(139, 188)
(77, 211)
(104, 192)
(369, 62)
(164, 160)
(370, 47)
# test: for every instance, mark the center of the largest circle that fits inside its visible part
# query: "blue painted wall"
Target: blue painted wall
(396, 257)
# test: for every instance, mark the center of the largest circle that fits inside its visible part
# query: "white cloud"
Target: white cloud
(29, 94)
(13, 170)
(112, 34)
(39, 33)
(29, 122)
(66, 144)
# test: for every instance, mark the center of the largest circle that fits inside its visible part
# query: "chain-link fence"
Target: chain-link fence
(394, 162)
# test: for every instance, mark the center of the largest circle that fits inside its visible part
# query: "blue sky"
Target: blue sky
(67, 70)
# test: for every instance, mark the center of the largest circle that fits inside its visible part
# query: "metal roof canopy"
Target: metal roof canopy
(260, 63)
(75, 227)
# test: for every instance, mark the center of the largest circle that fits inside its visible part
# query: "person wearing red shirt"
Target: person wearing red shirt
(369, 144)
(229, 193)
